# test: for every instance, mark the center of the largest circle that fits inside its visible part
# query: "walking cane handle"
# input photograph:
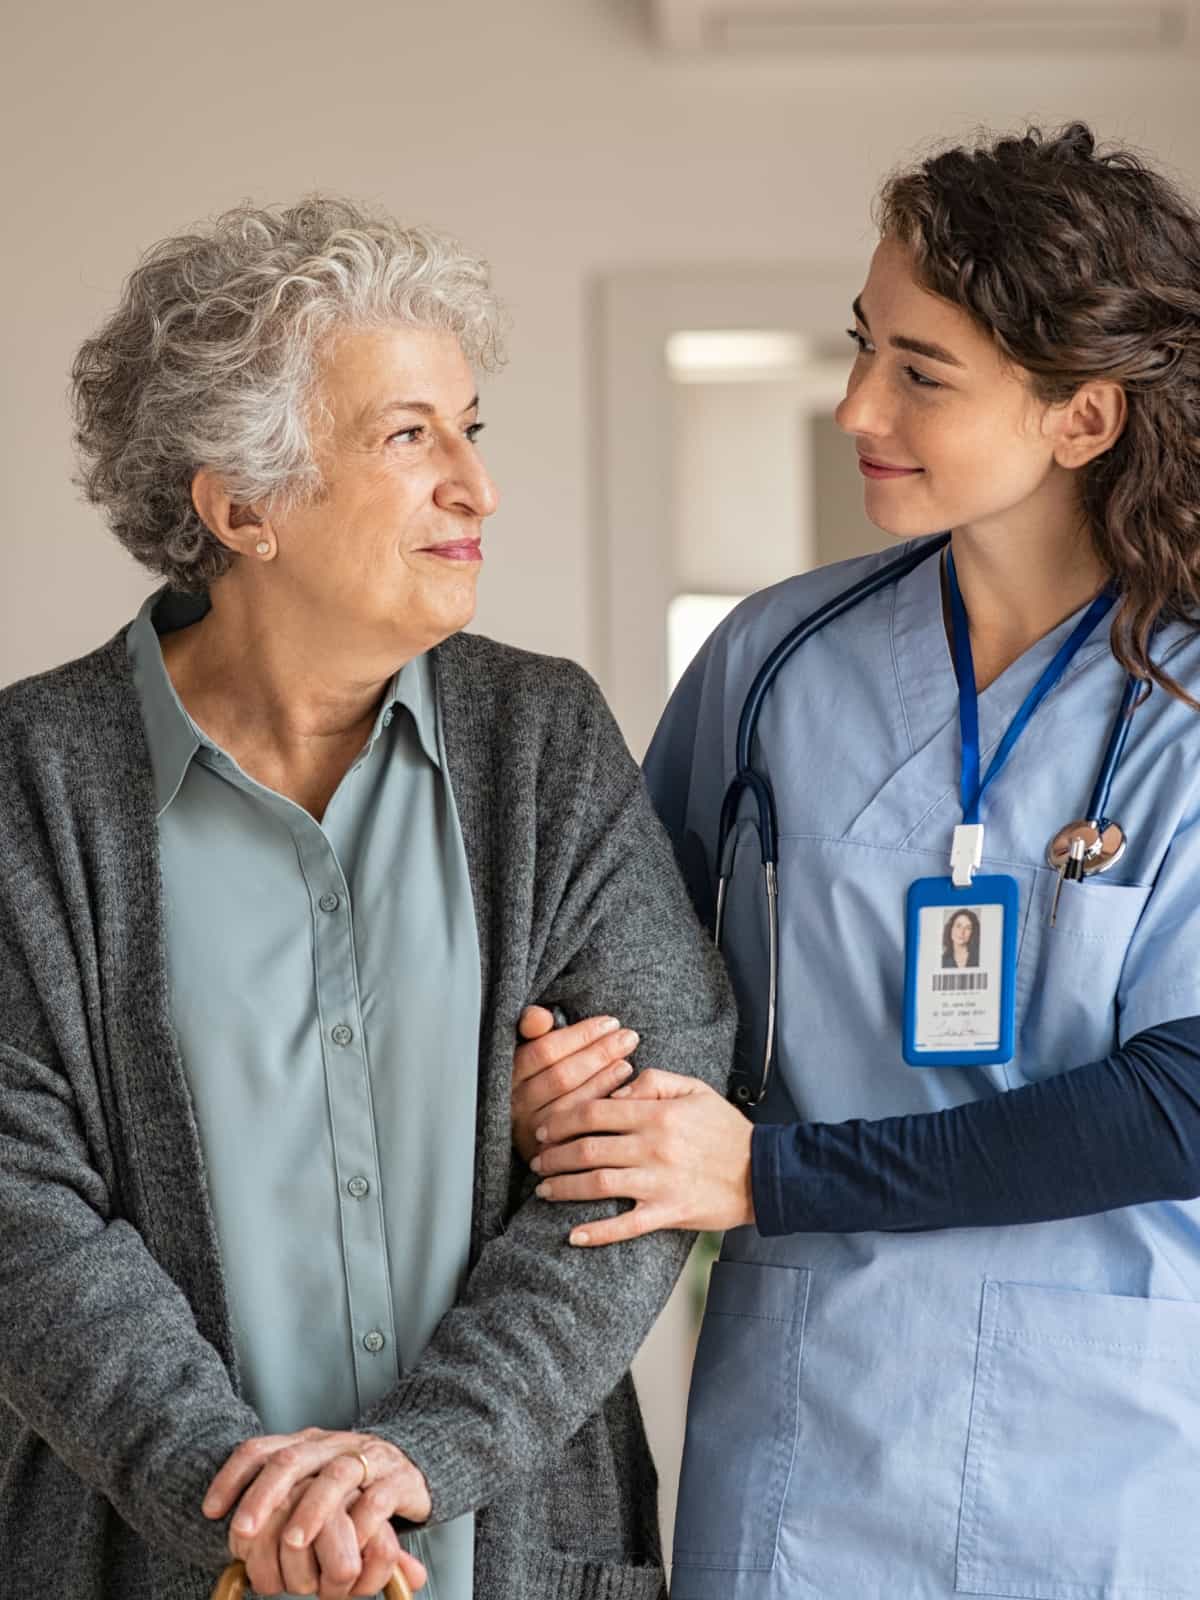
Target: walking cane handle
(232, 1585)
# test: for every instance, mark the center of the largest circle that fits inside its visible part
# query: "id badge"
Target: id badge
(960, 972)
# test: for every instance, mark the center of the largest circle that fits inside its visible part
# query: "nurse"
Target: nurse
(952, 1345)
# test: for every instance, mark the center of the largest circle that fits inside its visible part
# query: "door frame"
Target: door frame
(632, 580)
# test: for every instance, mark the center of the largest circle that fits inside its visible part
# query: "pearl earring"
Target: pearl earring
(263, 547)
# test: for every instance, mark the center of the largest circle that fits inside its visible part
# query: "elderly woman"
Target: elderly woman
(280, 866)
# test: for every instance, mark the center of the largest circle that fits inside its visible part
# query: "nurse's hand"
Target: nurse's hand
(669, 1143)
(564, 1067)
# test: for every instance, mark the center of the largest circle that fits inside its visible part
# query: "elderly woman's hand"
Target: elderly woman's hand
(564, 1067)
(313, 1512)
(667, 1142)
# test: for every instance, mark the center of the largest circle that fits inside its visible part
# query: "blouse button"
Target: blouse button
(342, 1034)
(329, 902)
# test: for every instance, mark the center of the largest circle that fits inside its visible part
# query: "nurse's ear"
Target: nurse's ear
(1088, 424)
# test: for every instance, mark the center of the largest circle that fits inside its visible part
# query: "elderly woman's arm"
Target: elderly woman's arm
(543, 1331)
(99, 1352)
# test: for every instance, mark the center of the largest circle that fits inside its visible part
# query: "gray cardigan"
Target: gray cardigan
(118, 1384)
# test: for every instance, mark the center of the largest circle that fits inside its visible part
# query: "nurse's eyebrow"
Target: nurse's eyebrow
(916, 347)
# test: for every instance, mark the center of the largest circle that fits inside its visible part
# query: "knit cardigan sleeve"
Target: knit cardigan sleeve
(99, 1350)
(544, 1331)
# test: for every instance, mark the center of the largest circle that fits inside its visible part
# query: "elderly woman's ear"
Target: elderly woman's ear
(244, 529)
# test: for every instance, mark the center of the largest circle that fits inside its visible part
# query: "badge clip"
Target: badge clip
(966, 853)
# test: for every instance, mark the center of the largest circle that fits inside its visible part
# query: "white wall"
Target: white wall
(545, 131)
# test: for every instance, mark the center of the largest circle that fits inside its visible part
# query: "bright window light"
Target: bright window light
(690, 620)
(736, 350)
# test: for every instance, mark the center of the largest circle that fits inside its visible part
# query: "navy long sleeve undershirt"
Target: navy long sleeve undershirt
(1117, 1132)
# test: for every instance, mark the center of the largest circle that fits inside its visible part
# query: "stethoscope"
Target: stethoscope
(1090, 844)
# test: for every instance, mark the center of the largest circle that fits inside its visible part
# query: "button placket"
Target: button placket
(363, 1241)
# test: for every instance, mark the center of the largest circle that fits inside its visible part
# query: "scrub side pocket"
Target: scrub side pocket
(743, 1420)
(1083, 1461)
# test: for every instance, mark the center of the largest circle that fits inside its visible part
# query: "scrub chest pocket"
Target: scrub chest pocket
(1082, 1477)
(1069, 974)
(743, 1420)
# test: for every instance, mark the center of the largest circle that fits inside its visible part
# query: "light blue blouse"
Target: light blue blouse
(326, 995)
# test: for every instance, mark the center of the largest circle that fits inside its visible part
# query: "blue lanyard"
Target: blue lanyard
(972, 788)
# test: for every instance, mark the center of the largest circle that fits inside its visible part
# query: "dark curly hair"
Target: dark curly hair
(1083, 264)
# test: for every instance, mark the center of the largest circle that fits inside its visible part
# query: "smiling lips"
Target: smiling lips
(457, 550)
(880, 469)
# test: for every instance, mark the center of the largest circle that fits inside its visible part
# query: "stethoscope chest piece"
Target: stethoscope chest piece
(1102, 842)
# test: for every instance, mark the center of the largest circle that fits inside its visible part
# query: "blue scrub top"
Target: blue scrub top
(1007, 1411)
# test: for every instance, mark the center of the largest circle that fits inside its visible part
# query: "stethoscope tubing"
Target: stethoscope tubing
(747, 780)
(745, 776)
(1102, 790)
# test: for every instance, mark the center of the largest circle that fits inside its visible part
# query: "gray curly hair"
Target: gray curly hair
(211, 360)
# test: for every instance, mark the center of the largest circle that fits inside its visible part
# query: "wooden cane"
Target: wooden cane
(233, 1584)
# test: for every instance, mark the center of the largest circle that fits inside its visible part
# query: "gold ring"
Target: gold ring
(366, 1466)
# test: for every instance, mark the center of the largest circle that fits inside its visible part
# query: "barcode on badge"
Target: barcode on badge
(960, 982)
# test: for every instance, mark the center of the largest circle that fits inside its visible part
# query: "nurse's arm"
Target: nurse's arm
(1121, 1131)
(671, 1144)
